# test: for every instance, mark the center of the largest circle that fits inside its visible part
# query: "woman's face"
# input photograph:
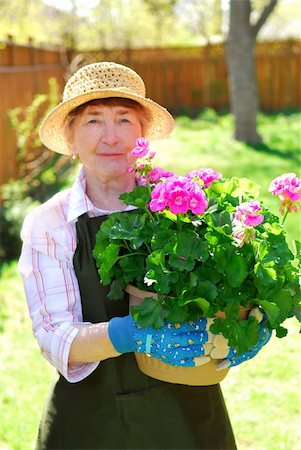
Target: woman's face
(103, 137)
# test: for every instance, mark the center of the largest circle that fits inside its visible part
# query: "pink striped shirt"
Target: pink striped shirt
(51, 287)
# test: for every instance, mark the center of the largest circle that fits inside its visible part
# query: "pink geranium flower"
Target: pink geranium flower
(179, 194)
(178, 200)
(198, 200)
(141, 149)
(248, 213)
(288, 188)
(243, 235)
(246, 217)
(155, 175)
(207, 175)
(159, 198)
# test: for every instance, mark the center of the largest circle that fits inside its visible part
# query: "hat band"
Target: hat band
(119, 90)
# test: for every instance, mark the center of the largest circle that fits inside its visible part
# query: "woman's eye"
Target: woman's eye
(92, 121)
(125, 120)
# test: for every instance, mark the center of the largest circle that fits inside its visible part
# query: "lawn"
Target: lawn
(263, 395)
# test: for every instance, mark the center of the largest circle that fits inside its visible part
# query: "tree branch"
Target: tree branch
(268, 9)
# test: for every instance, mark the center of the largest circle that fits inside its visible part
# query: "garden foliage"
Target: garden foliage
(41, 171)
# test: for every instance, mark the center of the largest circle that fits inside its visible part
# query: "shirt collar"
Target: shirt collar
(79, 201)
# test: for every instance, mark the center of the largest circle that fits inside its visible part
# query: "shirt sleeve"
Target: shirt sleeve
(53, 297)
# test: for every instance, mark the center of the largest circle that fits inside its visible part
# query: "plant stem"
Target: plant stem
(179, 223)
(150, 193)
(285, 216)
(148, 184)
(131, 254)
(126, 245)
(150, 214)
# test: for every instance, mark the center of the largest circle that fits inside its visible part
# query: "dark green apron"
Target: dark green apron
(117, 406)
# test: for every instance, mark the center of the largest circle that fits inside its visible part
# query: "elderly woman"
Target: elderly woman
(99, 399)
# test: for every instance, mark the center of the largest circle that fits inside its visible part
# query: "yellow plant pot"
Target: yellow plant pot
(194, 376)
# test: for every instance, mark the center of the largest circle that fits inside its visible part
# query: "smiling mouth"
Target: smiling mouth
(109, 155)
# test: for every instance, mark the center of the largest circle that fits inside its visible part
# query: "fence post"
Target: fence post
(11, 48)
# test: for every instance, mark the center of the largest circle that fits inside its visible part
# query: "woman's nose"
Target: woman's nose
(110, 136)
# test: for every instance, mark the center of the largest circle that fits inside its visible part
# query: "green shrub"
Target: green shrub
(16, 204)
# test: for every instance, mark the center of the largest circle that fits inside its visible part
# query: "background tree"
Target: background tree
(204, 19)
(244, 100)
(161, 10)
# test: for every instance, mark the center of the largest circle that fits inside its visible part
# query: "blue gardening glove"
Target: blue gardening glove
(221, 350)
(174, 344)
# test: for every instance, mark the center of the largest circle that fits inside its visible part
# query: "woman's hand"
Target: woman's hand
(174, 344)
(220, 349)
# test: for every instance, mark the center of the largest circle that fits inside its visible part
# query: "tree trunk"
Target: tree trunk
(242, 76)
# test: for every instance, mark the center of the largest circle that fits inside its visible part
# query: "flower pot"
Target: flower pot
(194, 376)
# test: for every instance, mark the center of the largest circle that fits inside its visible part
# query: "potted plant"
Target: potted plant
(201, 245)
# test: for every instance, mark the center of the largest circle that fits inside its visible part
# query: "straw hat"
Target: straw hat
(96, 81)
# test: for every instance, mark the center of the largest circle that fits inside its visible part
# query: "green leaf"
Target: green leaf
(207, 272)
(212, 237)
(281, 332)
(221, 221)
(193, 280)
(106, 261)
(101, 244)
(272, 311)
(236, 187)
(284, 301)
(188, 297)
(116, 290)
(133, 267)
(241, 335)
(265, 275)
(156, 269)
(236, 270)
(149, 313)
(279, 253)
(260, 249)
(274, 228)
(221, 255)
(203, 304)
(232, 309)
(106, 226)
(164, 239)
(296, 311)
(207, 289)
(135, 228)
(245, 185)
(140, 197)
(177, 313)
(190, 245)
(297, 249)
(181, 263)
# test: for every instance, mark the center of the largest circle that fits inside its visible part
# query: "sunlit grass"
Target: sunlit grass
(24, 375)
(263, 396)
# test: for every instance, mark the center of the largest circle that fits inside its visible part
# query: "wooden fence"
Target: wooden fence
(181, 79)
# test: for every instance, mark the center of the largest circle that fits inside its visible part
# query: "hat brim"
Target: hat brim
(160, 122)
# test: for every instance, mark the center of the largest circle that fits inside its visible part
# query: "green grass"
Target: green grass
(263, 395)
(24, 374)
